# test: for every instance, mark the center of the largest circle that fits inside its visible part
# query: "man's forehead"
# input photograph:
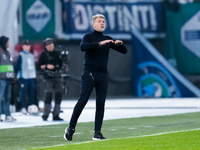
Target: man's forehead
(99, 18)
(51, 44)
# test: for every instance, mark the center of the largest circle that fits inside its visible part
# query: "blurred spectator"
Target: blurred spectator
(26, 73)
(49, 64)
(6, 77)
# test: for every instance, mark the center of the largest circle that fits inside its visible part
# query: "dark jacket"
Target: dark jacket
(52, 58)
(6, 65)
(96, 56)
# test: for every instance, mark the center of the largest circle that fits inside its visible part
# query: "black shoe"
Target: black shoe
(69, 133)
(44, 118)
(98, 136)
(57, 118)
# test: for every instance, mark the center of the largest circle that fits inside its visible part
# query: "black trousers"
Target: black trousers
(91, 80)
(27, 86)
(53, 85)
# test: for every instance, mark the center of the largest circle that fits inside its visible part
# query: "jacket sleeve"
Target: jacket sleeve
(86, 44)
(40, 61)
(17, 65)
(120, 48)
(59, 60)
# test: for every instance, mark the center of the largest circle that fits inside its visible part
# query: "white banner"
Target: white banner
(9, 22)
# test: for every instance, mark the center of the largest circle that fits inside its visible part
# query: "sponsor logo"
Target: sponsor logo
(38, 15)
(156, 81)
(10, 75)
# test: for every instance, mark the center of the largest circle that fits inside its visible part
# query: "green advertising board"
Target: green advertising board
(38, 19)
(182, 45)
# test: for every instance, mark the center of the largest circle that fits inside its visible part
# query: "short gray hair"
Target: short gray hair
(94, 17)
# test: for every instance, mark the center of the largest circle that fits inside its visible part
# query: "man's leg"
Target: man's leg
(87, 85)
(31, 91)
(101, 93)
(22, 94)
(2, 93)
(58, 99)
(48, 98)
(7, 98)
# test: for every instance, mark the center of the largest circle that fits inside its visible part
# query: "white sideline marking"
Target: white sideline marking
(159, 133)
(141, 108)
(55, 136)
(123, 138)
(78, 133)
(132, 128)
(148, 126)
(142, 135)
(113, 129)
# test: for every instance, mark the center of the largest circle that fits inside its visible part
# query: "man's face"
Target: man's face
(26, 48)
(99, 24)
(50, 47)
(7, 44)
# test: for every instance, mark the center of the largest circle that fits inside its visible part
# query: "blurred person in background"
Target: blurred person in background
(49, 64)
(173, 5)
(6, 77)
(26, 73)
(96, 46)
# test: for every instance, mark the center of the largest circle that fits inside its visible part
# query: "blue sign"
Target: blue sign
(147, 16)
(155, 81)
(153, 76)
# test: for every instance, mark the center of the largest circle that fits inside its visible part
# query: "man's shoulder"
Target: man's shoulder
(88, 34)
(44, 52)
(108, 37)
(21, 53)
(1, 50)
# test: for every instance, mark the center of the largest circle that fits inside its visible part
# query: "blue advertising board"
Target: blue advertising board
(147, 16)
(153, 76)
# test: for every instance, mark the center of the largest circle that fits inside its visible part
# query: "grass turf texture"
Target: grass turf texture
(188, 140)
(117, 131)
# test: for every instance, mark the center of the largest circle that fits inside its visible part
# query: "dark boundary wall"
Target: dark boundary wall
(120, 84)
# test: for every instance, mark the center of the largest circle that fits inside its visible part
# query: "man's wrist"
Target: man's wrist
(99, 44)
(46, 66)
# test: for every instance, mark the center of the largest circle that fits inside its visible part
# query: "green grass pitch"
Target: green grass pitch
(173, 132)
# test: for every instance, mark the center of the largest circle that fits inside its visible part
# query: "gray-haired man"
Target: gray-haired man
(95, 75)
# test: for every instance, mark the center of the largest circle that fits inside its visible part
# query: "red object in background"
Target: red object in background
(36, 50)
(17, 50)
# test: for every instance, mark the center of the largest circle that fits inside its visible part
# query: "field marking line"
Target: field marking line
(162, 133)
(148, 135)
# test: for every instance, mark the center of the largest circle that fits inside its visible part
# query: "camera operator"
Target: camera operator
(50, 63)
